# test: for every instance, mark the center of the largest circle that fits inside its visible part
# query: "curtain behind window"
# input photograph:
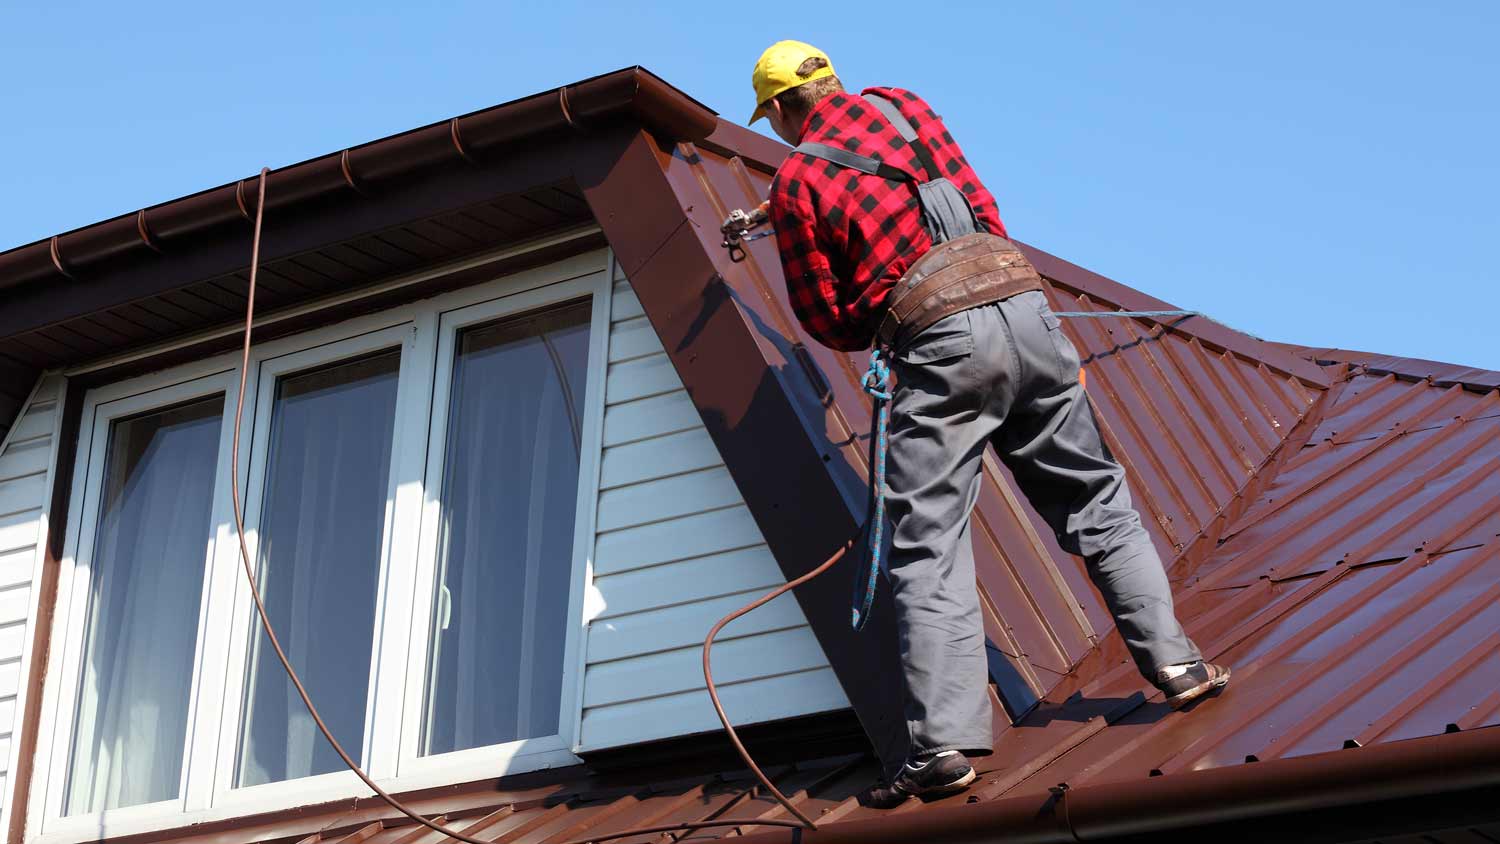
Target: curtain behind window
(510, 489)
(322, 524)
(155, 522)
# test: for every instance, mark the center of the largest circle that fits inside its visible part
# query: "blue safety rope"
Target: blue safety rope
(877, 382)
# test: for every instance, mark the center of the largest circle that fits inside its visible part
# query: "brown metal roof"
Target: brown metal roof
(1391, 631)
(1329, 519)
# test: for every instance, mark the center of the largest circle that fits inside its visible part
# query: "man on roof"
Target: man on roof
(888, 237)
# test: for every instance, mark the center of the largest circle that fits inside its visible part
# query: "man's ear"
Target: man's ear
(784, 119)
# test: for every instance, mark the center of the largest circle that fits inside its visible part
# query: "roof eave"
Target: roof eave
(633, 93)
(1360, 791)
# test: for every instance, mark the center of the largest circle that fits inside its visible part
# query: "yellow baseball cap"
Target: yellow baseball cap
(776, 71)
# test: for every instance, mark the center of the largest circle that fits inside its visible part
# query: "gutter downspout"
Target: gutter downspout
(1361, 789)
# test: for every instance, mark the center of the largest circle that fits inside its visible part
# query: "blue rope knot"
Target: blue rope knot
(877, 382)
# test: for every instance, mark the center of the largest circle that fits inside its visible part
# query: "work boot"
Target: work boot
(1183, 684)
(943, 773)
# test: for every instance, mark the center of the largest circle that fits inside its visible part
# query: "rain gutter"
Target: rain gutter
(632, 94)
(1419, 784)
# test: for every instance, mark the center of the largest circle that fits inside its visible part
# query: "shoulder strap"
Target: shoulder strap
(854, 161)
(908, 133)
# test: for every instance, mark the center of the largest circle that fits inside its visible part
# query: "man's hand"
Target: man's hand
(737, 226)
(741, 221)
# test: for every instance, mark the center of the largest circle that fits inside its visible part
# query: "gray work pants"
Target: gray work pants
(1004, 375)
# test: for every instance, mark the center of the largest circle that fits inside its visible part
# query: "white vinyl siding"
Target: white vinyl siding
(675, 550)
(26, 459)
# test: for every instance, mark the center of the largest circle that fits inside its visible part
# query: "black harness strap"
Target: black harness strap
(946, 212)
(866, 164)
(854, 161)
(908, 133)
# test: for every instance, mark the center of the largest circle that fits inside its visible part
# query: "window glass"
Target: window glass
(510, 487)
(321, 527)
(154, 527)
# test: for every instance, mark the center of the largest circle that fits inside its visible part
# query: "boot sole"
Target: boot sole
(948, 788)
(1184, 698)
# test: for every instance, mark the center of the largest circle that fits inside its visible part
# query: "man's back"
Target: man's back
(846, 237)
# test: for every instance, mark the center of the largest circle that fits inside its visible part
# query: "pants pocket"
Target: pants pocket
(1067, 355)
(948, 338)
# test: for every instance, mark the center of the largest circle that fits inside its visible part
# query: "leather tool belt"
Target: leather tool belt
(954, 276)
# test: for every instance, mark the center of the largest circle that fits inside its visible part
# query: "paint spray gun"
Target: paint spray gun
(737, 226)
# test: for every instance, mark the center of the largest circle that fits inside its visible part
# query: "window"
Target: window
(327, 469)
(419, 489)
(146, 582)
(509, 495)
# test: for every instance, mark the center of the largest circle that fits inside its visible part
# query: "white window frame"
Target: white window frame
(269, 366)
(101, 408)
(425, 331)
(539, 752)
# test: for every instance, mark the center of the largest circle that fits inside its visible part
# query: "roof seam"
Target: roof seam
(1257, 482)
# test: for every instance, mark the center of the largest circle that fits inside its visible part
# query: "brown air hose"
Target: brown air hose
(803, 821)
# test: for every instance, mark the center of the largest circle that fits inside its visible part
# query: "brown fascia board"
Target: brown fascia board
(634, 97)
(1418, 785)
(760, 409)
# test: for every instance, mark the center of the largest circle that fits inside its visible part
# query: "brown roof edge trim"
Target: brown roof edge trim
(1097, 286)
(631, 94)
(1350, 784)
(1411, 369)
(756, 150)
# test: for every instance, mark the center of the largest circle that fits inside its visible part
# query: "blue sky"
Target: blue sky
(1320, 173)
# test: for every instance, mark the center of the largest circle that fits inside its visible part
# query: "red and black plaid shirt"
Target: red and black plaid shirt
(846, 237)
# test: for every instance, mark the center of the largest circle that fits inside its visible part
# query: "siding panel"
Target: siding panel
(36, 422)
(676, 539)
(18, 531)
(685, 713)
(26, 457)
(675, 549)
(14, 603)
(686, 624)
(666, 498)
(625, 304)
(15, 566)
(22, 493)
(658, 457)
(10, 678)
(12, 640)
(697, 579)
(650, 417)
(681, 670)
(638, 379)
(631, 339)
